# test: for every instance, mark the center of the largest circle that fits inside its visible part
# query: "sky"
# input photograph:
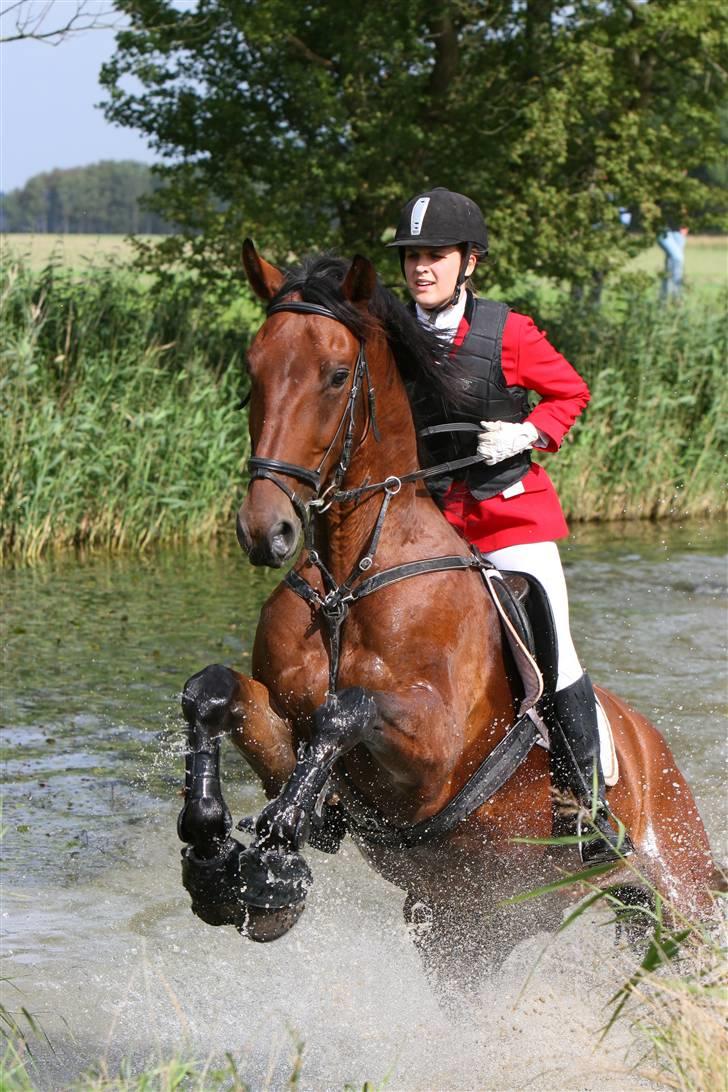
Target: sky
(47, 114)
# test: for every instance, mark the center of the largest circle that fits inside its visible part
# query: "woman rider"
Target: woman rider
(506, 505)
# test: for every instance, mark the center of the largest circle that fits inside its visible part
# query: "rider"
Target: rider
(506, 505)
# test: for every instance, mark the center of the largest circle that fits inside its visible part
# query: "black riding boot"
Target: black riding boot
(571, 717)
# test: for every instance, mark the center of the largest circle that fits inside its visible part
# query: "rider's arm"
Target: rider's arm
(530, 361)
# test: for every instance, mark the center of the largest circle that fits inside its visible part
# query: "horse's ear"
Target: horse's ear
(264, 278)
(360, 280)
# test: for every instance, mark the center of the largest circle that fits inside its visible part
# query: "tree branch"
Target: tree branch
(31, 20)
(301, 47)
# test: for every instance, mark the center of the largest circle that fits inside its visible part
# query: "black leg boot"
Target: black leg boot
(571, 717)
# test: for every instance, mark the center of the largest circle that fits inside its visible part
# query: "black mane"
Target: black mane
(421, 355)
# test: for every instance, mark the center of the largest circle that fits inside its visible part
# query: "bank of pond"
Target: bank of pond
(122, 422)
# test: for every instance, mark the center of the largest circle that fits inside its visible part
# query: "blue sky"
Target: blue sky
(47, 113)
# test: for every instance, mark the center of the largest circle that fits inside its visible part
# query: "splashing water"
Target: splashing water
(98, 938)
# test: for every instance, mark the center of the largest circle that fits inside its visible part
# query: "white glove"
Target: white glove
(502, 439)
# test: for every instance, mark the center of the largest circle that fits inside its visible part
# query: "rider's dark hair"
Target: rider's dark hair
(422, 357)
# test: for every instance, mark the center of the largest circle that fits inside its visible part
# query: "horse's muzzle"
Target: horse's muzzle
(272, 546)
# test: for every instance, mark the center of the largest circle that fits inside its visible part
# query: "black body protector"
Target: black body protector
(486, 397)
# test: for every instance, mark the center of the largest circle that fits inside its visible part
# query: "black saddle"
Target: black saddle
(530, 613)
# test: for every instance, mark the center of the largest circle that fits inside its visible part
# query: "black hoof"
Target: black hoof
(262, 926)
(241, 886)
(213, 885)
(273, 880)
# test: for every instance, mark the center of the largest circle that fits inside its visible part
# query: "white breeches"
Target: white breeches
(541, 559)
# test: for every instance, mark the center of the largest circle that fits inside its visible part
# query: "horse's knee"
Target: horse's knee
(207, 697)
(344, 718)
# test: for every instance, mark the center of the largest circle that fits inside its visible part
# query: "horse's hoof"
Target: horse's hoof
(212, 885)
(273, 880)
(263, 926)
(225, 888)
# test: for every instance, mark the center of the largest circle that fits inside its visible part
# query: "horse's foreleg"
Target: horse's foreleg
(342, 722)
(218, 701)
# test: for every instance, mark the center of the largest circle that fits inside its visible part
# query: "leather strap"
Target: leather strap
(493, 772)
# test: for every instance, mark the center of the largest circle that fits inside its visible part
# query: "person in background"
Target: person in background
(672, 243)
(505, 505)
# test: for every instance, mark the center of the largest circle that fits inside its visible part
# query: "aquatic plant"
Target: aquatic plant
(120, 423)
(120, 419)
(676, 998)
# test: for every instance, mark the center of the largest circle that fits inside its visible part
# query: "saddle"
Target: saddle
(529, 628)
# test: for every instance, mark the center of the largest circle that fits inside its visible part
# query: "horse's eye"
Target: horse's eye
(339, 377)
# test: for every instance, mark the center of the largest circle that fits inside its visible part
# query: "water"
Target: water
(99, 943)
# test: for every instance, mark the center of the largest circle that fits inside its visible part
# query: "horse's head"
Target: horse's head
(302, 365)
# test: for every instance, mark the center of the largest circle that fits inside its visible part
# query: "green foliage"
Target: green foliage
(654, 439)
(104, 197)
(120, 420)
(307, 125)
(120, 426)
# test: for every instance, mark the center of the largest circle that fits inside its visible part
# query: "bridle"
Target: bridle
(271, 469)
(334, 604)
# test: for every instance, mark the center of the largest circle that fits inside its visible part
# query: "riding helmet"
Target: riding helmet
(441, 217)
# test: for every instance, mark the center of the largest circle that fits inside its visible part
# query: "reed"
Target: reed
(120, 413)
(120, 426)
(676, 998)
(652, 443)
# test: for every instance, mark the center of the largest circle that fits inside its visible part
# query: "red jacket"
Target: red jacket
(530, 511)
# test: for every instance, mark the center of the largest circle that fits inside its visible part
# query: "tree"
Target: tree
(307, 123)
(104, 197)
(46, 21)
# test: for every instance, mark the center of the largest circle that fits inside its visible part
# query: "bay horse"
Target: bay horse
(380, 681)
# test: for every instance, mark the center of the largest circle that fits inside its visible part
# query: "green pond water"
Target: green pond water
(98, 940)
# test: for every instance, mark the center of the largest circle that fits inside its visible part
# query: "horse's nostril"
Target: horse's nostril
(283, 538)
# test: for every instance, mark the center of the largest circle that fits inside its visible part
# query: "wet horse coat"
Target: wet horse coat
(423, 692)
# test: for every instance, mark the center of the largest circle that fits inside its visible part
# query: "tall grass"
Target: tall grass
(119, 419)
(676, 998)
(653, 441)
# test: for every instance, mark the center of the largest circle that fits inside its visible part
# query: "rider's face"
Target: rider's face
(431, 274)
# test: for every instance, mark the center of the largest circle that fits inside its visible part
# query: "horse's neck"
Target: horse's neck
(348, 528)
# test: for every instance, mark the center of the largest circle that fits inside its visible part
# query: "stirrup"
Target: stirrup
(601, 843)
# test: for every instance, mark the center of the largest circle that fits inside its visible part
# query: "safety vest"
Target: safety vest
(486, 398)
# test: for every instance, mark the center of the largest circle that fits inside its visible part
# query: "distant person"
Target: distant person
(672, 242)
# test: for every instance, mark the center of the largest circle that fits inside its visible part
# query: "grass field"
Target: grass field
(72, 251)
(706, 260)
(706, 256)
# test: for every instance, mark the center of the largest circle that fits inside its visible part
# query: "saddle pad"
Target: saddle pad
(607, 750)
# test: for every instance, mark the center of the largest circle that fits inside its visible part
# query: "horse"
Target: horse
(381, 680)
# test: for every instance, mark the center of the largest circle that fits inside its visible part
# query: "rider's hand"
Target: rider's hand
(502, 439)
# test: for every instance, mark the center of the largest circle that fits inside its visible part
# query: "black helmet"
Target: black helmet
(440, 217)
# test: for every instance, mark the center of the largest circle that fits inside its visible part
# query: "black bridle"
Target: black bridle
(261, 467)
(334, 604)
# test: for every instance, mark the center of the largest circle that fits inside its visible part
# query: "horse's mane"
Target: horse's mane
(420, 354)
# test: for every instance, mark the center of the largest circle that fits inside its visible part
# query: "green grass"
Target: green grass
(77, 252)
(120, 426)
